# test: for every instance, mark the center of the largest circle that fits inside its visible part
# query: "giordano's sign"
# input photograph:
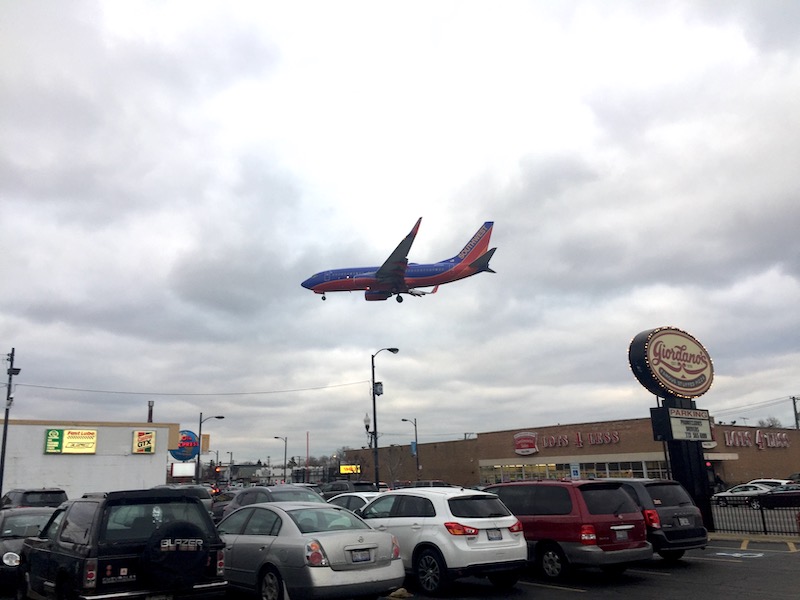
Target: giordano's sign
(672, 364)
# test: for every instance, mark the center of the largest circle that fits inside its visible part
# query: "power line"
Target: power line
(89, 391)
(753, 406)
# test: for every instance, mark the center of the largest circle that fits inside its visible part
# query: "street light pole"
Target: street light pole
(376, 392)
(416, 441)
(200, 444)
(285, 444)
(9, 399)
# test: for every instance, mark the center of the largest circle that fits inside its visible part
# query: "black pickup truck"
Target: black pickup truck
(158, 544)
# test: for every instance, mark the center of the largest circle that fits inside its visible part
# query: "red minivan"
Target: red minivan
(577, 523)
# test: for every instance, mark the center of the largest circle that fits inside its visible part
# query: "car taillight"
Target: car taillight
(588, 535)
(395, 548)
(220, 563)
(652, 519)
(459, 529)
(315, 555)
(90, 574)
(516, 527)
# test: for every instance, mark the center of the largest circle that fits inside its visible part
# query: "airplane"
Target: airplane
(397, 276)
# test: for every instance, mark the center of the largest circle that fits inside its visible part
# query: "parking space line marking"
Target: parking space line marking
(647, 572)
(563, 588)
(728, 560)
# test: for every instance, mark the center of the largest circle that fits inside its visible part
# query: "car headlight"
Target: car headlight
(11, 559)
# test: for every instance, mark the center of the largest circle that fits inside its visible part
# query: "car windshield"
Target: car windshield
(607, 500)
(296, 495)
(361, 486)
(313, 520)
(478, 506)
(136, 521)
(43, 498)
(15, 526)
(668, 494)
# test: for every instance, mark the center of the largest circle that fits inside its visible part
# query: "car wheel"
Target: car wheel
(755, 504)
(551, 562)
(505, 580)
(64, 591)
(270, 586)
(430, 572)
(165, 568)
(671, 555)
(21, 591)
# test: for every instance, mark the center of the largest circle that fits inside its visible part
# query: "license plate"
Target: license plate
(683, 521)
(494, 535)
(360, 556)
(622, 535)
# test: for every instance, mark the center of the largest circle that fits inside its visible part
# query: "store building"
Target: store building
(81, 456)
(624, 448)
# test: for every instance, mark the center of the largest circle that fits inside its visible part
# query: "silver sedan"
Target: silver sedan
(740, 494)
(310, 550)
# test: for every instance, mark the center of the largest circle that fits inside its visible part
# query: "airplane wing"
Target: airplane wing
(393, 271)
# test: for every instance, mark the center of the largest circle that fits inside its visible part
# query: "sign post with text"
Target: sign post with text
(675, 367)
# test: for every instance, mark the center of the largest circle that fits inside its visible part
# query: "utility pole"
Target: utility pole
(796, 414)
(12, 370)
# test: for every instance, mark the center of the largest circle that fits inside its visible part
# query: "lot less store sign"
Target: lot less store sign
(527, 442)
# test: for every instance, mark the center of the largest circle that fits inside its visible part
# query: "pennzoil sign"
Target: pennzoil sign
(670, 362)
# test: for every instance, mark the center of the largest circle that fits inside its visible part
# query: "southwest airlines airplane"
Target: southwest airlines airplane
(396, 276)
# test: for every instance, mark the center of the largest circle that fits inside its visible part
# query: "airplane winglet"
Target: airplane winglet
(394, 268)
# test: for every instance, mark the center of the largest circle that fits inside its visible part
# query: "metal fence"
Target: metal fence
(769, 521)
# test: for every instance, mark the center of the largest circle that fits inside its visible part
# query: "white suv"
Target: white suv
(445, 533)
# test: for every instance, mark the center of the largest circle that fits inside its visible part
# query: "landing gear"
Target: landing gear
(323, 297)
(399, 298)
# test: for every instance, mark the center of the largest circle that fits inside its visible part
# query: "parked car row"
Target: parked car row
(761, 493)
(274, 540)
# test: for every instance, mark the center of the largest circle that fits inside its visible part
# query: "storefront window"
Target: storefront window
(589, 470)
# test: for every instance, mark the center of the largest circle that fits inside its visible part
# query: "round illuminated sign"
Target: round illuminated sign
(670, 362)
(188, 447)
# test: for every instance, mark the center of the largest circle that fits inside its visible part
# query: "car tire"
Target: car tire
(671, 555)
(722, 502)
(551, 562)
(21, 591)
(175, 570)
(430, 572)
(755, 503)
(505, 580)
(270, 585)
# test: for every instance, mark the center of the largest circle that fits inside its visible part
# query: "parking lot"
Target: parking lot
(730, 567)
(727, 568)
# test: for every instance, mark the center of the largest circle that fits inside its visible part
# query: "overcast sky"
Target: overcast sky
(170, 172)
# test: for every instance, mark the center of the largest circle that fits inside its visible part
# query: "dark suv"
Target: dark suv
(274, 493)
(577, 523)
(156, 543)
(674, 523)
(33, 497)
(334, 488)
